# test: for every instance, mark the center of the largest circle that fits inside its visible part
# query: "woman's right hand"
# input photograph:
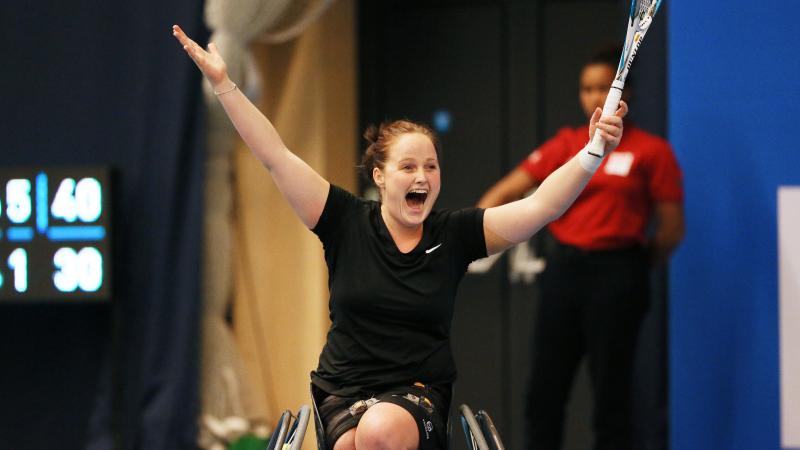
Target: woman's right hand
(609, 127)
(209, 62)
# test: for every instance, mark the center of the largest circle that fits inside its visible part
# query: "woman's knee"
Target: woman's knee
(347, 441)
(386, 426)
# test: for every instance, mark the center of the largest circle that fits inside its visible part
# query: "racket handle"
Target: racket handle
(598, 144)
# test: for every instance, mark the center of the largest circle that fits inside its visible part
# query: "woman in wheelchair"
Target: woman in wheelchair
(385, 374)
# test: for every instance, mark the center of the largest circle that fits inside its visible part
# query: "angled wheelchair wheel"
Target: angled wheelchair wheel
(297, 432)
(472, 430)
(489, 431)
(279, 434)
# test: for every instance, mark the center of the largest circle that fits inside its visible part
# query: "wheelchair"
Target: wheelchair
(479, 430)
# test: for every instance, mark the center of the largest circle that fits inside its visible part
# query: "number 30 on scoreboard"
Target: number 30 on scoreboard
(55, 233)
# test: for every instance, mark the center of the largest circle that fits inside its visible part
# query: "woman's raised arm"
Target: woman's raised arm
(515, 222)
(304, 189)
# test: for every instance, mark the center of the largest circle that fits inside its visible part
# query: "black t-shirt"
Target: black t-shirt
(390, 311)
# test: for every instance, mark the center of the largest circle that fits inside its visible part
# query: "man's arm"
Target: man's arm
(669, 230)
(511, 187)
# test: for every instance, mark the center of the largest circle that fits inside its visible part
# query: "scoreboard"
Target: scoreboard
(55, 233)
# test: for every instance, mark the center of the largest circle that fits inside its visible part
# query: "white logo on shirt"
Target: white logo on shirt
(619, 163)
(430, 250)
(428, 427)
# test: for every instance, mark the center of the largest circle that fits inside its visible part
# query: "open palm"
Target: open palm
(209, 62)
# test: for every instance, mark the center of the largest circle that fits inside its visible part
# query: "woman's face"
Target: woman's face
(595, 82)
(410, 181)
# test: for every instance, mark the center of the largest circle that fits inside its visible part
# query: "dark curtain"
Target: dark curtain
(103, 83)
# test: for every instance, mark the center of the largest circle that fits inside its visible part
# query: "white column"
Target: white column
(789, 279)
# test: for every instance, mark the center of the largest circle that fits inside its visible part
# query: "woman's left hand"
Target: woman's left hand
(609, 127)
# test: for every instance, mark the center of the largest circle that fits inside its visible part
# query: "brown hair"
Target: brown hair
(379, 139)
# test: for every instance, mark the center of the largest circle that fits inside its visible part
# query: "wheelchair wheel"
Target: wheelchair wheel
(489, 431)
(298, 431)
(472, 431)
(278, 437)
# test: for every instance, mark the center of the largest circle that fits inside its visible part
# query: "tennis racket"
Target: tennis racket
(641, 16)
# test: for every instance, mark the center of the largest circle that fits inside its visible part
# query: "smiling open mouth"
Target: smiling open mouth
(416, 198)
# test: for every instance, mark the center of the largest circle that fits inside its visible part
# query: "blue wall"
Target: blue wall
(734, 119)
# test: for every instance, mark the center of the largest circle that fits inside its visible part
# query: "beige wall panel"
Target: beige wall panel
(281, 279)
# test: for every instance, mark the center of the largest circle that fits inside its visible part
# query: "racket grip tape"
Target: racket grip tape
(598, 144)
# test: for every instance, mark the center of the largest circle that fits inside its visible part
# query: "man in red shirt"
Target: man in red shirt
(595, 287)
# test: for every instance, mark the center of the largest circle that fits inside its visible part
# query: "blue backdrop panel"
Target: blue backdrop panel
(734, 104)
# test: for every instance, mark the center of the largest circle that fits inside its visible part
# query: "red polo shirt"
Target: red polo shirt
(613, 210)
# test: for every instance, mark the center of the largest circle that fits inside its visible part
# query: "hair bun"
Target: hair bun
(371, 134)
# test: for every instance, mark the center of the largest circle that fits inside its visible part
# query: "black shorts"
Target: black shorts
(428, 405)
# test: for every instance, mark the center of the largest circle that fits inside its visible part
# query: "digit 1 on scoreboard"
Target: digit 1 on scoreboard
(18, 262)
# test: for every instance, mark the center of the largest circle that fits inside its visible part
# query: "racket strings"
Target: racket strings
(645, 8)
